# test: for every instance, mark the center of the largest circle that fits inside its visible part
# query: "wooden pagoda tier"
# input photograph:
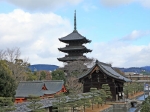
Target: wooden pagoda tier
(72, 58)
(74, 47)
(70, 49)
(74, 38)
(102, 73)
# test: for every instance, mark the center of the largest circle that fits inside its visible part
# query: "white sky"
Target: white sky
(119, 30)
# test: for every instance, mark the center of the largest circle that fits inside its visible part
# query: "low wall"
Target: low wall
(117, 107)
(110, 109)
(122, 106)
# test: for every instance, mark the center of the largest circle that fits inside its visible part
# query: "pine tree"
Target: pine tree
(60, 103)
(6, 104)
(106, 88)
(85, 100)
(35, 105)
(73, 101)
(94, 94)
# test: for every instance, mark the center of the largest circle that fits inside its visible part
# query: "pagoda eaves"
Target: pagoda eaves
(67, 49)
(74, 48)
(74, 36)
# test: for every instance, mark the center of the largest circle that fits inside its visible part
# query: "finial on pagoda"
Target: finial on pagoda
(75, 21)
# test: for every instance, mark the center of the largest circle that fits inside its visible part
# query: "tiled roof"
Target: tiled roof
(27, 88)
(71, 58)
(53, 86)
(106, 68)
(74, 36)
(72, 48)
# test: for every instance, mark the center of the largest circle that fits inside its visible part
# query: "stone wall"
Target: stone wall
(117, 107)
(110, 109)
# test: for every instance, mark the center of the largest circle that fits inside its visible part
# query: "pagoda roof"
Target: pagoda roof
(74, 36)
(72, 58)
(74, 48)
(107, 69)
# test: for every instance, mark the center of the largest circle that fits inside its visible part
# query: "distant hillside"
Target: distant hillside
(144, 70)
(39, 67)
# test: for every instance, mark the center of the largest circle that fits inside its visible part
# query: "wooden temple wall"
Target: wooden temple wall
(96, 80)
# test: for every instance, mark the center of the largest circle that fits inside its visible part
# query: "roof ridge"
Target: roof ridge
(31, 81)
(53, 81)
(103, 63)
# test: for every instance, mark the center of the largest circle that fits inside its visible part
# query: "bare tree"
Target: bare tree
(73, 70)
(2, 55)
(12, 54)
(16, 65)
(76, 68)
(73, 86)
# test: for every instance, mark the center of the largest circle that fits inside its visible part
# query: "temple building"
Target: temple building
(102, 73)
(74, 48)
(43, 89)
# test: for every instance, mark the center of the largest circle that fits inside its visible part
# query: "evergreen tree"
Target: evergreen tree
(145, 108)
(106, 88)
(85, 100)
(93, 93)
(7, 83)
(99, 99)
(35, 105)
(73, 101)
(103, 95)
(58, 75)
(6, 104)
(146, 105)
(60, 103)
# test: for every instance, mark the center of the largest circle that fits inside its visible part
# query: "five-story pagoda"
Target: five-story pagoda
(74, 48)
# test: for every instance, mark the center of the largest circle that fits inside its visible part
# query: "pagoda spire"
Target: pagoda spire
(75, 28)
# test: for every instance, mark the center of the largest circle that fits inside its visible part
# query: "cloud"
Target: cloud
(33, 5)
(35, 34)
(136, 34)
(121, 54)
(89, 6)
(140, 58)
(114, 3)
(145, 3)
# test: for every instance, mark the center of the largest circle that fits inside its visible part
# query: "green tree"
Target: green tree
(145, 108)
(7, 83)
(42, 75)
(6, 104)
(35, 105)
(31, 76)
(85, 100)
(106, 88)
(73, 101)
(103, 95)
(94, 94)
(146, 105)
(99, 99)
(60, 103)
(58, 75)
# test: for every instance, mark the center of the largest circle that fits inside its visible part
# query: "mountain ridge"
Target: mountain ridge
(144, 69)
(40, 67)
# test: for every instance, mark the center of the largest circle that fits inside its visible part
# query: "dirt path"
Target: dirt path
(136, 95)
